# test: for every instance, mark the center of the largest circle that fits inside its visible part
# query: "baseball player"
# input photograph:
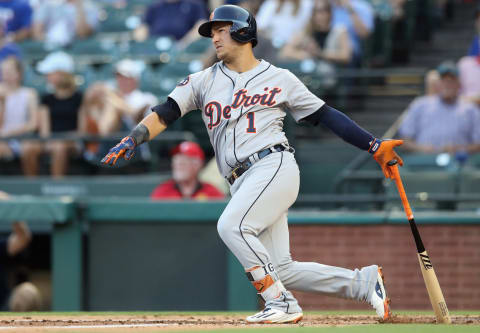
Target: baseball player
(243, 101)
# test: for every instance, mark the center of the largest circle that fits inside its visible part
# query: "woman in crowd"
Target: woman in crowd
(18, 108)
(59, 114)
(320, 40)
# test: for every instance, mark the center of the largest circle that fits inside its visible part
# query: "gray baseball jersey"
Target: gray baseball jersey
(244, 112)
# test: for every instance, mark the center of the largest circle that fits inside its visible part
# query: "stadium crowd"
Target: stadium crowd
(53, 96)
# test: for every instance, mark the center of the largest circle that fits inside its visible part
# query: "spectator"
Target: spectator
(469, 69)
(475, 46)
(25, 298)
(443, 122)
(18, 108)
(179, 19)
(320, 40)
(59, 22)
(279, 20)
(59, 113)
(112, 108)
(432, 83)
(15, 20)
(10, 50)
(187, 161)
(358, 17)
(10, 247)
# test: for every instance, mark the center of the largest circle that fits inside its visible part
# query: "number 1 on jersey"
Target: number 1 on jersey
(251, 123)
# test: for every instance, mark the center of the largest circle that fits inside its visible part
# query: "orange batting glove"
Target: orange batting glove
(125, 149)
(383, 153)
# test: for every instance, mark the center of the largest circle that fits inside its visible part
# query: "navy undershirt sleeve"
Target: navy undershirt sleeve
(340, 124)
(168, 111)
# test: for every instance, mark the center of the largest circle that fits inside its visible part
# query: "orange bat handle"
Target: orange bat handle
(401, 191)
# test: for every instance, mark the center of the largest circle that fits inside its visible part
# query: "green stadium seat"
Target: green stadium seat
(34, 80)
(94, 50)
(469, 185)
(158, 49)
(114, 20)
(426, 162)
(426, 189)
(33, 50)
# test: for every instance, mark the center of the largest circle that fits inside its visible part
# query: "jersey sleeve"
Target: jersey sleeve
(301, 102)
(187, 93)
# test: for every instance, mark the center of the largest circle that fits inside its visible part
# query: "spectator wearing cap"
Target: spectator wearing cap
(187, 161)
(15, 20)
(475, 46)
(442, 122)
(122, 104)
(178, 19)
(110, 108)
(59, 114)
(60, 22)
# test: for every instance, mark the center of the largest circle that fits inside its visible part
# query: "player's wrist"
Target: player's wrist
(140, 134)
(374, 145)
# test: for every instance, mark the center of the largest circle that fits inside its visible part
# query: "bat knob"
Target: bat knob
(392, 162)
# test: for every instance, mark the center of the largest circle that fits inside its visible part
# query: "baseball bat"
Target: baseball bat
(431, 282)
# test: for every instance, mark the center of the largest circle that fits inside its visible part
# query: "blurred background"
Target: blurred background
(78, 75)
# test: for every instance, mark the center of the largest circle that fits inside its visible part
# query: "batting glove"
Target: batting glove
(383, 153)
(125, 149)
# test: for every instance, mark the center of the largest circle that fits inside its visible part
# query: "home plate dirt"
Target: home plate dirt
(174, 322)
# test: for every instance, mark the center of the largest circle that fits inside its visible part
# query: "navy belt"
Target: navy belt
(245, 165)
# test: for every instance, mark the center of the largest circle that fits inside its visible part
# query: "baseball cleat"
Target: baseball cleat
(379, 299)
(274, 316)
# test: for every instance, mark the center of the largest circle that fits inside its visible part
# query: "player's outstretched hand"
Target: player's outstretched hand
(125, 149)
(383, 153)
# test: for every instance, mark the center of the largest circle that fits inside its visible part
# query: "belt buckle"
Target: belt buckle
(234, 173)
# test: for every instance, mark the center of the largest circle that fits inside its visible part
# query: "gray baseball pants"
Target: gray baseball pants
(254, 227)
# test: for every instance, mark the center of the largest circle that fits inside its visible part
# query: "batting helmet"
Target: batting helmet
(243, 29)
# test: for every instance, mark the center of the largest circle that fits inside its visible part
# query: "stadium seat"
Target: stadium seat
(33, 50)
(469, 185)
(114, 20)
(34, 80)
(93, 50)
(157, 49)
(426, 189)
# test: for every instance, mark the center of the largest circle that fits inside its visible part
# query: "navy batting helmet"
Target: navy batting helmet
(243, 29)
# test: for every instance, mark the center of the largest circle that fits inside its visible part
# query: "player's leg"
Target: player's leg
(363, 284)
(260, 197)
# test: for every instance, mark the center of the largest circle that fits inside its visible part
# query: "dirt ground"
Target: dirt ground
(175, 322)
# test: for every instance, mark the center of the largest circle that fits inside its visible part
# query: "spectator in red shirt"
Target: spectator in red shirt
(187, 161)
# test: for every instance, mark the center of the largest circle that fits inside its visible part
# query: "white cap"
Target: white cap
(56, 62)
(130, 68)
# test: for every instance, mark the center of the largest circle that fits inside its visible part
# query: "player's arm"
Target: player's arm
(152, 125)
(349, 131)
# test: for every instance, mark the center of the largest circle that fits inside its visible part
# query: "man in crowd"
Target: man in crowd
(442, 122)
(187, 161)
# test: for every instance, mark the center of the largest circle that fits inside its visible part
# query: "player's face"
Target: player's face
(224, 45)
